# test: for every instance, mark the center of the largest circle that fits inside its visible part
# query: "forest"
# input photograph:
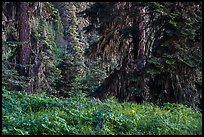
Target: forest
(101, 68)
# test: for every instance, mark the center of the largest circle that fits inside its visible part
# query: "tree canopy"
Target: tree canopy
(157, 47)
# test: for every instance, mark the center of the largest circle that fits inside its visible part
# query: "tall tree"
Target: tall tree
(120, 40)
(148, 41)
(24, 38)
(72, 65)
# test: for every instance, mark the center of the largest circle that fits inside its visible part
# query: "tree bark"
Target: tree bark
(24, 38)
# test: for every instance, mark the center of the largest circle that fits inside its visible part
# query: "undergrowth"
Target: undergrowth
(26, 114)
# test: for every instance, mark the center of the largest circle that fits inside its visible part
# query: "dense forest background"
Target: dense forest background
(132, 51)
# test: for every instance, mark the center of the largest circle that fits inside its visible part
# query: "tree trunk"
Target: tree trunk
(24, 38)
(118, 83)
(114, 85)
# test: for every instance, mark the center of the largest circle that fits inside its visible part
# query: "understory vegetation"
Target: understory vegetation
(25, 114)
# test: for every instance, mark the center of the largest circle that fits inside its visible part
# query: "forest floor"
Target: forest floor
(26, 114)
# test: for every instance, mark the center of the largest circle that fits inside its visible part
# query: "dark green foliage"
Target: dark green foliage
(24, 114)
(49, 51)
(164, 52)
(178, 56)
(9, 74)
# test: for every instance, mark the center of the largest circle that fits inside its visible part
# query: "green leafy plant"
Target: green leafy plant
(26, 114)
